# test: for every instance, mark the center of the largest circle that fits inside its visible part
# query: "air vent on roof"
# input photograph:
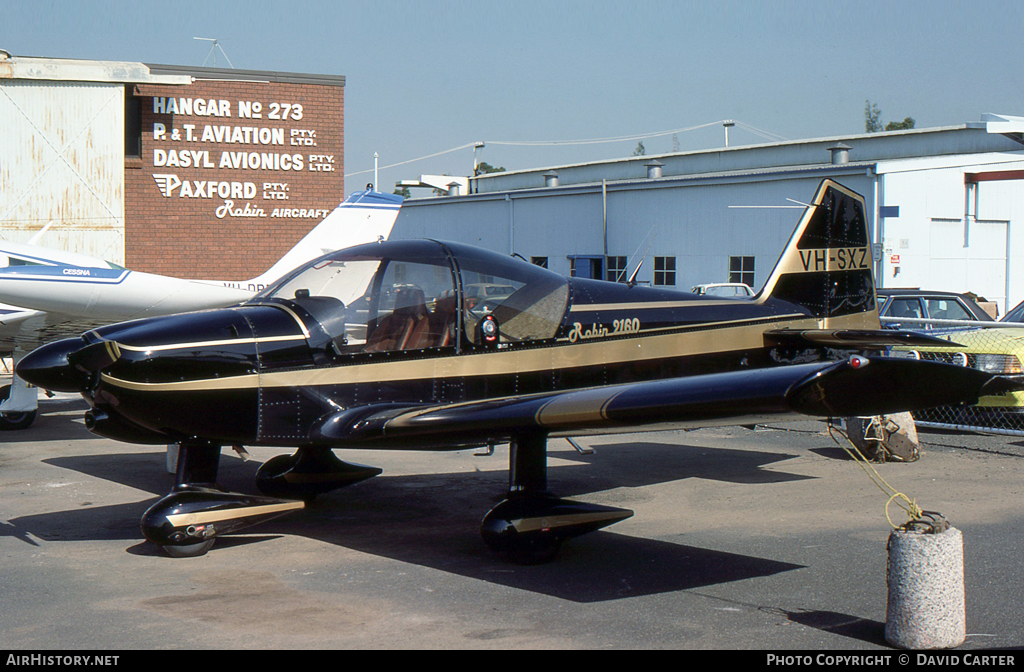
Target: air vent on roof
(840, 153)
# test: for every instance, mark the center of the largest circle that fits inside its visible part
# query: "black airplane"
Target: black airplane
(428, 345)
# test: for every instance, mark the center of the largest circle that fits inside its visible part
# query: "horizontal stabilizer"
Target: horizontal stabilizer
(877, 386)
(851, 339)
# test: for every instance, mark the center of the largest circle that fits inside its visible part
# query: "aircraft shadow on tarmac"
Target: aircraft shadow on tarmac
(432, 520)
(861, 629)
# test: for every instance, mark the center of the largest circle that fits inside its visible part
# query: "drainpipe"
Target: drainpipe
(511, 225)
(604, 214)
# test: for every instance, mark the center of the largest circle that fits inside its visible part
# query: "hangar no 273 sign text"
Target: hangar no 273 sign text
(201, 156)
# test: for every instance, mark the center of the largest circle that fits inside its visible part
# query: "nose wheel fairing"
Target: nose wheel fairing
(191, 517)
(186, 522)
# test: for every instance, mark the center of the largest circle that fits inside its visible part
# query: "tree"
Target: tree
(483, 168)
(907, 122)
(872, 117)
(640, 149)
(873, 120)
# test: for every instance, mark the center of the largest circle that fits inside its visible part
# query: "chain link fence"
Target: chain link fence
(993, 347)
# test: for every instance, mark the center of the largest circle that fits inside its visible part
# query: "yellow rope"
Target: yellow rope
(911, 507)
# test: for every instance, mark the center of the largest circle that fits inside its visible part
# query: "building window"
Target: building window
(741, 269)
(586, 266)
(664, 270)
(616, 269)
(539, 261)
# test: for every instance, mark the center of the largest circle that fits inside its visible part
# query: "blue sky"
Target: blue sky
(425, 76)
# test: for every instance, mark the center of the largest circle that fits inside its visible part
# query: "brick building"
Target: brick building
(186, 171)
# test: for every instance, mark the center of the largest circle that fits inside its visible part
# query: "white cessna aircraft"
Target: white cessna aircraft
(51, 294)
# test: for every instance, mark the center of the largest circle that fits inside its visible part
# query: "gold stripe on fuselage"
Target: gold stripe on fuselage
(652, 305)
(210, 344)
(709, 338)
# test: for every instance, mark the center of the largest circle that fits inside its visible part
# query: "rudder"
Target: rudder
(826, 266)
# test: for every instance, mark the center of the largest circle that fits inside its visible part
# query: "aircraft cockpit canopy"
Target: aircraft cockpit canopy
(421, 294)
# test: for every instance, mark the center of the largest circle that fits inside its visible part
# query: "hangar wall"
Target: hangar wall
(234, 169)
(933, 225)
(954, 233)
(190, 172)
(61, 163)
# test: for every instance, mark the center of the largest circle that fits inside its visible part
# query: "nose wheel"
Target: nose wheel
(189, 550)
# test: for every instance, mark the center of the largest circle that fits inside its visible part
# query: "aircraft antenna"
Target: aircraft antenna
(632, 278)
(213, 51)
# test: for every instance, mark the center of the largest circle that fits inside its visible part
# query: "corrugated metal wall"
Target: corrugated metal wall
(62, 160)
(699, 223)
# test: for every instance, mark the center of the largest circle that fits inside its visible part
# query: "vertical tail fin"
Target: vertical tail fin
(827, 264)
(363, 217)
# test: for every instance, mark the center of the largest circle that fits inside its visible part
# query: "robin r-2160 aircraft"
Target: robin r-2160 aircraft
(57, 294)
(427, 345)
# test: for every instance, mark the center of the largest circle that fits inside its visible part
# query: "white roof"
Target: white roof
(66, 69)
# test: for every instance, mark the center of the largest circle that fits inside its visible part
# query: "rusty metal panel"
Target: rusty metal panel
(62, 161)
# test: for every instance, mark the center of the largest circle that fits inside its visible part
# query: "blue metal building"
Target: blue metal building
(943, 202)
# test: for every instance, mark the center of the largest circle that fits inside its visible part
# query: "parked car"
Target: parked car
(924, 304)
(997, 350)
(1015, 314)
(725, 289)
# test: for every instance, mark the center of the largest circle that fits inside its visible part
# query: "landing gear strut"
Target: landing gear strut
(530, 525)
(187, 521)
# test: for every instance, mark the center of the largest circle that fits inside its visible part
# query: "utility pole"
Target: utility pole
(476, 162)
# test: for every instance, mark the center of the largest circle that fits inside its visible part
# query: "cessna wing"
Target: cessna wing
(58, 294)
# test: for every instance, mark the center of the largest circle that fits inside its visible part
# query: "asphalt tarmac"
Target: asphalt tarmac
(768, 539)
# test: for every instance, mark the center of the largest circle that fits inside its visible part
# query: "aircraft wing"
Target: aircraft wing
(859, 386)
(28, 329)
